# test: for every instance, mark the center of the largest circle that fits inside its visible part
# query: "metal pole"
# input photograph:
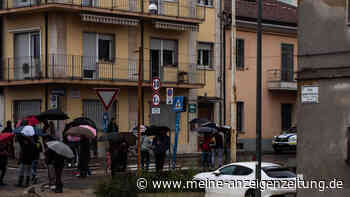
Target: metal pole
(233, 86)
(258, 96)
(139, 113)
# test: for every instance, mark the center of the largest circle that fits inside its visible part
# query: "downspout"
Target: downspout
(221, 63)
(224, 69)
(46, 59)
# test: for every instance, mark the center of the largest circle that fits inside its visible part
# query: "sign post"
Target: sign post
(106, 96)
(177, 107)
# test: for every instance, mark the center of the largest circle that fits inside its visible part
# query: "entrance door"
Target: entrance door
(286, 116)
(155, 63)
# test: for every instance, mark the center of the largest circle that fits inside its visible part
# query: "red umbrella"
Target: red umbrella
(32, 120)
(5, 137)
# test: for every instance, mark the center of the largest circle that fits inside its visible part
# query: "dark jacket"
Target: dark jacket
(7, 130)
(84, 151)
(161, 143)
(27, 150)
(219, 141)
(54, 159)
(112, 127)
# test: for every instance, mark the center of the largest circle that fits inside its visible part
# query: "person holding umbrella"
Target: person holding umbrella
(57, 153)
(84, 158)
(8, 128)
(5, 139)
(112, 126)
(161, 144)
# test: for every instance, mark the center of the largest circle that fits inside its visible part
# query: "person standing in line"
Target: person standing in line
(8, 128)
(26, 160)
(49, 164)
(205, 147)
(84, 156)
(146, 146)
(112, 126)
(161, 144)
(4, 154)
(37, 150)
(218, 150)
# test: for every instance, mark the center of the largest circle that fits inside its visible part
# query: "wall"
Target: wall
(323, 128)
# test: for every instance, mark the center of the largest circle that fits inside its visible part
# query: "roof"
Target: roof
(273, 11)
(252, 164)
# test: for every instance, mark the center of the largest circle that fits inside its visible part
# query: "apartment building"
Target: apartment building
(56, 52)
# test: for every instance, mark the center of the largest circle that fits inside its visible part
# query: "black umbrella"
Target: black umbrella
(52, 114)
(199, 121)
(209, 124)
(156, 130)
(117, 137)
(83, 121)
(206, 130)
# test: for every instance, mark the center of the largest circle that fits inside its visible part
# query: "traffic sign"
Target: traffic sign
(155, 99)
(156, 84)
(107, 95)
(178, 103)
(169, 96)
(155, 110)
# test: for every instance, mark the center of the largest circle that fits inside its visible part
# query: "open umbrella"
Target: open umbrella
(157, 130)
(6, 137)
(60, 148)
(73, 138)
(52, 114)
(129, 137)
(209, 124)
(37, 131)
(199, 121)
(32, 120)
(80, 131)
(93, 131)
(83, 121)
(206, 130)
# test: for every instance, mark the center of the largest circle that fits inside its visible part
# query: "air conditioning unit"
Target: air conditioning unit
(89, 74)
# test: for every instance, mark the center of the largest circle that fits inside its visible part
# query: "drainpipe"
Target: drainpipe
(221, 64)
(224, 68)
(233, 85)
(46, 58)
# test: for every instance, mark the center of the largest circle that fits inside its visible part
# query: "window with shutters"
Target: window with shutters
(240, 116)
(239, 54)
(205, 55)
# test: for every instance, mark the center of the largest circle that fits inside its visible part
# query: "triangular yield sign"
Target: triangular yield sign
(107, 96)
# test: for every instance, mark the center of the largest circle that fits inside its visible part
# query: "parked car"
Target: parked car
(245, 172)
(286, 141)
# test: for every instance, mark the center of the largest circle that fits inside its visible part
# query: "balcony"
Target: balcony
(184, 11)
(282, 80)
(73, 69)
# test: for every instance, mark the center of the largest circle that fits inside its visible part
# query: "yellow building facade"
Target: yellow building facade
(56, 53)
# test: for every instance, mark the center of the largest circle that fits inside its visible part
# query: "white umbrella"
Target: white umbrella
(60, 148)
(28, 131)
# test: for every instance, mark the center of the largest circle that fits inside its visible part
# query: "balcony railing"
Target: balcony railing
(181, 9)
(73, 67)
(282, 80)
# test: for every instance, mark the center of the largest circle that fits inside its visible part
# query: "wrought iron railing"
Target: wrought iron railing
(182, 9)
(281, 75)
(75, 67)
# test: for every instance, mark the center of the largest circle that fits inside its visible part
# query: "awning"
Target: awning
(208, 99)
(109, 20)
(176, 26)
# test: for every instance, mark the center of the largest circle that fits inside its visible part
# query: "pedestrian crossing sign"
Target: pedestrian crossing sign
(178, 103)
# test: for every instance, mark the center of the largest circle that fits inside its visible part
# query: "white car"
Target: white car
(242, 174)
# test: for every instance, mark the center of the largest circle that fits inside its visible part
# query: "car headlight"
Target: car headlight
(292, 139)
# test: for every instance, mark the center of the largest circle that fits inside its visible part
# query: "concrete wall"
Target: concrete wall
(246, 86)
(322, 128)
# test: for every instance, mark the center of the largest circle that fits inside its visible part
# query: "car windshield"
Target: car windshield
(291, 130)
(277, 172)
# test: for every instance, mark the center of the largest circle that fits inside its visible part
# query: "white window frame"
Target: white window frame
(200, 55)
(98, 35)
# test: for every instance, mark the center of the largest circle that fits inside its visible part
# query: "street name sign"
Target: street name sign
(309, 94)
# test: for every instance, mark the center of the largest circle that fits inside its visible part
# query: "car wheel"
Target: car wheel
(250, 193)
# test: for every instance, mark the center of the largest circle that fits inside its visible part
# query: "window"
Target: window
(240, 54)
(105, 47)
(286, 116)
(164, 52)
(277, 172)
(242, 171)
(287, 70)
(206, 2)
(240, 116)
(205, 54)
(227, 170)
